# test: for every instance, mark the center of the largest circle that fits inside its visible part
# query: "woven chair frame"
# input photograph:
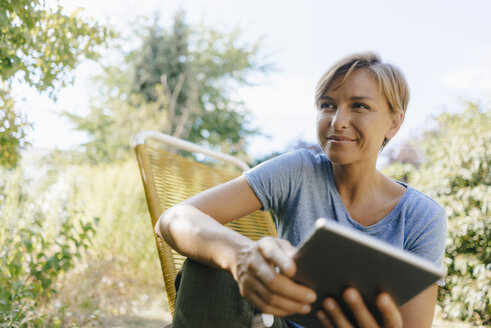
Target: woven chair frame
(169, 179)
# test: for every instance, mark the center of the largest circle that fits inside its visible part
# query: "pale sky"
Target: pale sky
(444, 48)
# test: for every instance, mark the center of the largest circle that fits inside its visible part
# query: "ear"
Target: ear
(396, 123)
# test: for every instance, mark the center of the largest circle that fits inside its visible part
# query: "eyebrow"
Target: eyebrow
(362, 98)
(352, 98)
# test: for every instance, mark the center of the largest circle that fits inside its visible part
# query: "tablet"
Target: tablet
(335, 257)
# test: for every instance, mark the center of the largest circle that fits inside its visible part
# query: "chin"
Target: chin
(337, 158)
(339, 161)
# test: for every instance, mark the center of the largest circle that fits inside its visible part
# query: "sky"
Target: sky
(443, 47)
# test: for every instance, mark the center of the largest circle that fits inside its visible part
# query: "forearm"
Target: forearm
(200, 237)
(419, 311)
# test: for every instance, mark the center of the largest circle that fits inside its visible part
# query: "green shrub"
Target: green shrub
(46, 222)
(35, 250)
(455, 171)
(114, 193)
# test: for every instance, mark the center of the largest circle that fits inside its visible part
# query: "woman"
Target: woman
(361, 103)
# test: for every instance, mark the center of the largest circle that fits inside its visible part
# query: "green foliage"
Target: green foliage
(455, 171)
(123, 262)
(39, 46)
(177, 81)
(400, 171)
(220, 64)
(162, 53)
(46, 277)
(112, 130)
(114, 193)
(35, 249)
(13, 128)
(43, 44)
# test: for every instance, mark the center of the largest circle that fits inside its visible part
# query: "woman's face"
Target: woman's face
(353, 119)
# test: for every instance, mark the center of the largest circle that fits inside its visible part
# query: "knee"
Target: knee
(202, 276)
(210, 297)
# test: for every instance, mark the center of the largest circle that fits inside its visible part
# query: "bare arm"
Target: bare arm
(419, 311)
(195, 229)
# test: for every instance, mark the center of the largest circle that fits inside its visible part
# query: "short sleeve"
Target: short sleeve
(276, 179)
(430, 240)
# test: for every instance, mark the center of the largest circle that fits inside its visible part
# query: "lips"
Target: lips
(340, 138)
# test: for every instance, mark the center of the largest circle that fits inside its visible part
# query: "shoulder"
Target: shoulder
(419, 205)
(294, 161)
(305, 156)
(279, 179)
(425, 225)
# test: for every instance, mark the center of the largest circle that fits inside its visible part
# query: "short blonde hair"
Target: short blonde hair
(390, 79)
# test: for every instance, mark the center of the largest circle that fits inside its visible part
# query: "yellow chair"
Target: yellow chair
(169, 178)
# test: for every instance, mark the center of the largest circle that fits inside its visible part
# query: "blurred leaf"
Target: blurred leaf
(177, 81)
(455, 171)
(40, 47)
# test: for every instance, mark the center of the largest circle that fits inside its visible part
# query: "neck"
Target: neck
(354, 182)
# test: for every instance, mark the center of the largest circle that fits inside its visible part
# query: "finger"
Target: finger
(278, 283)
(335, 313)
(274, 289)
(324, 319)
(390, 312)
(273, 251)
(362, 315)
(284, 286)
(288, 248)
(266, 308)
(269, 297)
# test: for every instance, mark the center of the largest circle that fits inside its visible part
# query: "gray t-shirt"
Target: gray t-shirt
(298, 188)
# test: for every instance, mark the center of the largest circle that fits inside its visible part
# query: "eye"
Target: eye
(327, 105)
(361, 106)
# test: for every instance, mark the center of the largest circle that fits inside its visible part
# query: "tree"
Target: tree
(12, 131)
(38, 46)
(455, 171)
(177, 81)
(163, 67)
(163, 53)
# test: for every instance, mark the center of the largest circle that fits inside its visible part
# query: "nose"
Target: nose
(341, 119)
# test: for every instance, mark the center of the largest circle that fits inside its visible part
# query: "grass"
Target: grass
(99, 293)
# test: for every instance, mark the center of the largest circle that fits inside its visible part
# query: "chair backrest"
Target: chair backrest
(169, 178)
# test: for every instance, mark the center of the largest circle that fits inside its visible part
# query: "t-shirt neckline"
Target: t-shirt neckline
(379, 223)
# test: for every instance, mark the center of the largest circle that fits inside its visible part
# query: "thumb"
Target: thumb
(273, 250)
(290, 251)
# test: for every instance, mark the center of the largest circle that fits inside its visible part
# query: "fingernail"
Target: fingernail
(329, 304)
(311, 297)
(384, 300)
(350, 295)
(306, 309)
(320, 315)
(287, 263)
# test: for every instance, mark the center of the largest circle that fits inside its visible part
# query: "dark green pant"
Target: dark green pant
(209, 297)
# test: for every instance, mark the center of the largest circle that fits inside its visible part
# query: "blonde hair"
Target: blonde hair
(390, 79)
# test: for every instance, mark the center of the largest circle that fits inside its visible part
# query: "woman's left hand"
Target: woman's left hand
(332, 316)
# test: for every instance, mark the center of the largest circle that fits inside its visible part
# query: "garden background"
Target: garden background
(76, 246)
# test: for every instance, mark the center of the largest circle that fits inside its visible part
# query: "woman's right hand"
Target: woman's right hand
(263, 272)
